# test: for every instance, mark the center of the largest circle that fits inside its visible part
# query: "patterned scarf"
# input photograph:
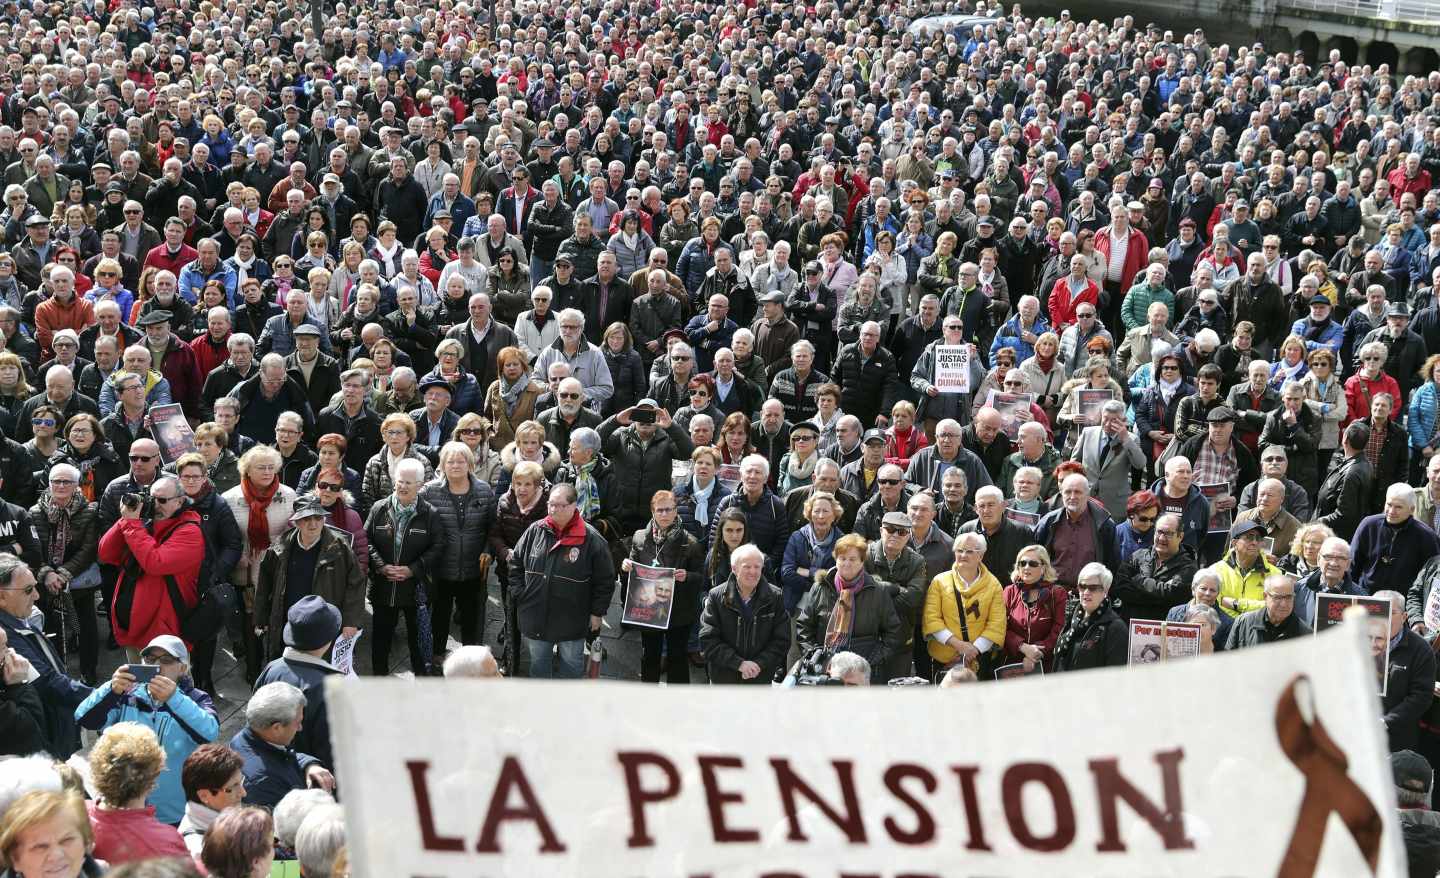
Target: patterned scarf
(510, 393)
(403, 515)
(59, 518)
(587, 491)
(842, 618)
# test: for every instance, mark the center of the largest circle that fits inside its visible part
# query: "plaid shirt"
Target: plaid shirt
(1211, 467)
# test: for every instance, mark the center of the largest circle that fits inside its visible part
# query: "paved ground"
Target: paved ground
(622, 661)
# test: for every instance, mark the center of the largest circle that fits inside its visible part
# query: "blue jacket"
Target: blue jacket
(59, 694)
(466, 395)
(769, 526)
(1009, 337)
(695, 260)
(193, 279)
(1390, 560)
(1222, 634)
(1424, 414)
(705, 342)
(1329, 338)
(270, 771)
(1195, 522)
(1305, 596)
(685, 508)
(182, 724)
(802, 550)
(308, 674)
(460, 210)
(279, 337)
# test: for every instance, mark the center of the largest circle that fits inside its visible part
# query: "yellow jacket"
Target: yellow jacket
(984, 612)
(1248, 587)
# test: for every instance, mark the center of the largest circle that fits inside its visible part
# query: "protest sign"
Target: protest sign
(1330, 611)
(1007, 404)
(650, 597)
(342, 655)
(952, 368)
(1159, 642)
(728, 474)
(1432, 610)
(680, 471)
(1219, 521)
(172, 432)
(1088, 402)
(1130, 778)
(1029, 519)
(1006, 672)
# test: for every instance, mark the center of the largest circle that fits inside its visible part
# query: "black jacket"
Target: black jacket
(420, 551)
(556, 590)
(1344, 496)
(1299, 441)
(769, 525)
(1254, 628)
(362, 433)
(641, 469)
(729, 635)
(1146, 588)
(1097, 641)
(1410, 691)
(324, 378)
(867, 387)
(679, 550)
(465, 521)
(875, 630)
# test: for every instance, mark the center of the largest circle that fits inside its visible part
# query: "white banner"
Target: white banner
(1173, 770)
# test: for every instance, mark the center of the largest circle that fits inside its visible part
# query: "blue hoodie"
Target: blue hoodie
(184, 722)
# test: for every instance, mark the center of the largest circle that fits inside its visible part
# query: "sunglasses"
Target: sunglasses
(471, 431)
(1028, 562)
(43, 422)
(328, 486)
(887, 481)
(568, 395)
(141, 458)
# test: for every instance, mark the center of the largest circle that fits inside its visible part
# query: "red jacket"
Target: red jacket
(207, 356)
(183, 372)
(1359, 392)
(151, 611)
(1137, 256)
(899, 450)
(159, 257)
(1418, 185)
(1039, 625)
(1062, 305)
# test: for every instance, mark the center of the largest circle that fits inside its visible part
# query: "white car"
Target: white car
(950, 23)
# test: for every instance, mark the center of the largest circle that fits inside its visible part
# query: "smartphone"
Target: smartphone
(143, 674)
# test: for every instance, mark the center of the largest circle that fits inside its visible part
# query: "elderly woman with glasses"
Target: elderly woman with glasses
(1034, 610)
(465, 393)
(1137, 531)
(397, 432)
(846, 608)
(83, 446)
(66, 531)
(108, 286)
(1094, 636)
(261, 504)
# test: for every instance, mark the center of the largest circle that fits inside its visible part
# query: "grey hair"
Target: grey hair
(65, 469)
(272, 703)
(756, 460)
(1396, 599)
(413, 466)
(239, 338)
(454, 447)
(702, 419)
(746, 551)
(572, 314)
(843, 664)
(320, 838)
(472, 661)
(1205, 574)
(1095, 568)
(1194, 613)
(291, 811)
(1113, 407)
(272, 361)
(26, 774)
(9, 566)
(587, 437)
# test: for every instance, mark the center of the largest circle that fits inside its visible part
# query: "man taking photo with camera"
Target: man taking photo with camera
(157, 543)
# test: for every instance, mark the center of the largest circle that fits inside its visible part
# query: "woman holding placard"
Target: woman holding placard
(664, 542)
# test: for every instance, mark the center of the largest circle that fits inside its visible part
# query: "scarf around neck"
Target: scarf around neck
(257, 528)
(572, 534)
(587, 490)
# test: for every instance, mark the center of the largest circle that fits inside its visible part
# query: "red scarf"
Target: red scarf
(1045, 363)
(573, 534)
(257, 529)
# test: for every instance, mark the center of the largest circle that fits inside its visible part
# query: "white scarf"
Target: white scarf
(702, 500)
(1168, 388)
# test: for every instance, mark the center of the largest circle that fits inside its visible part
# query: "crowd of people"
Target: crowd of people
(901, 352)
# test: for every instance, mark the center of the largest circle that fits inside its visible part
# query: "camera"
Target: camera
(642, 416)
(140, 501)
(814, 669)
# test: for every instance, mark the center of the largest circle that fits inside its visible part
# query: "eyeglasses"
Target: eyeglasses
(802, 438)
(1085, 315)
(897, 531)
(1146, 519)
(1169, 368)
(193, 477)
(887, 481)
(1282, 598)
(568, 395)
(55, 483)
(1089, 586)
(131, 212)
(163, 499)
(328, 486)
(396, 434)
(43, 422)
